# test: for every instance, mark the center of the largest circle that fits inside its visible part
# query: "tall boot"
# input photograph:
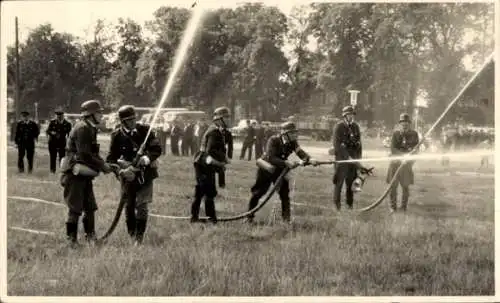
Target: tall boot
(131, 226)
(404, 198)
(131, 220)
(393, 198)
(72, 233)
(336, 195)
(89, 227)
(195, 205)
(210, 210)
(141, 229)
(254, 201)
(285, 210)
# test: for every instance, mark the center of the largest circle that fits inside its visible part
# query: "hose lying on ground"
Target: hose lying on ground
(276, 185)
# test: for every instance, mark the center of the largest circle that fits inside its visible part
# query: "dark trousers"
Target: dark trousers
(259, 150)
(174, 145)
(194, 146)
(79, 196)
(162, 137)
(137, 199)
(246, 145)
(185, 146)
(394, 195)
(27, 150)
(56, 149)
(261, 186)
(344, 173)
(205, 188)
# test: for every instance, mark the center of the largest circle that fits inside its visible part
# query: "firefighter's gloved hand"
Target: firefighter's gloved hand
(127, 174)
(144, 161)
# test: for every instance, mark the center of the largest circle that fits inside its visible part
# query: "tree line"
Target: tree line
(388, 51)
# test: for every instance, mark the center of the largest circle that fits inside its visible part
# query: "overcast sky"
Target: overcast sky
(79, 16)
(76, 16)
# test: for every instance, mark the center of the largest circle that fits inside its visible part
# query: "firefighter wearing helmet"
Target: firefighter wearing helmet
(79, 167)
(136, 180)
(271, 164)
(209, 161)
(347, 145)
(404, 140)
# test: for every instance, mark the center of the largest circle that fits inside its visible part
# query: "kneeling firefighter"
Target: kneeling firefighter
(278, 148)
(210, 160)
(136, 178)
(79, 167)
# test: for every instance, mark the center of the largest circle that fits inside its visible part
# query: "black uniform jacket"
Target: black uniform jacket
(347, 141)
(125, 144)
(58, 131)
(277, 152)
(26, 133)
(82, 146)
(213, 144)
(403, 142)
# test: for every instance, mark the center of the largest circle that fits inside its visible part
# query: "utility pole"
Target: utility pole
(17, 72)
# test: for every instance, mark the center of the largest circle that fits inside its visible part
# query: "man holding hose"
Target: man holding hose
(136, 182)
(403, 141)
(279, 147)
(79, 167)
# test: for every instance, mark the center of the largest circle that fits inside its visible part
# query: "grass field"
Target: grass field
(443, 246)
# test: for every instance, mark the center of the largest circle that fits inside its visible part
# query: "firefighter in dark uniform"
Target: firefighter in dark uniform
(347, 145)
(187, 138)
(228, 138)
(248, 141)
(260, 140)
(79, 167)
(27, 132)
(175, 135)
(136, 185)
(403, 141)
(57, 132)
(279, 147)
(211, 159)
(161, 134)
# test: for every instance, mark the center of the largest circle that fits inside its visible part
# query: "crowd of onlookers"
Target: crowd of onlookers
(461, 138)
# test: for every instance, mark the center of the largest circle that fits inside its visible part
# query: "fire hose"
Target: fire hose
(178, 61)
(415, 149)
(286, 170)
(276, 185)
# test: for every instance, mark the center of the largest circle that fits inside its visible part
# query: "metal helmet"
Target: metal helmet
(91, 107)
(126, 112)
(222, 111)
(287, 127)
(404, 118)
(347, 110)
